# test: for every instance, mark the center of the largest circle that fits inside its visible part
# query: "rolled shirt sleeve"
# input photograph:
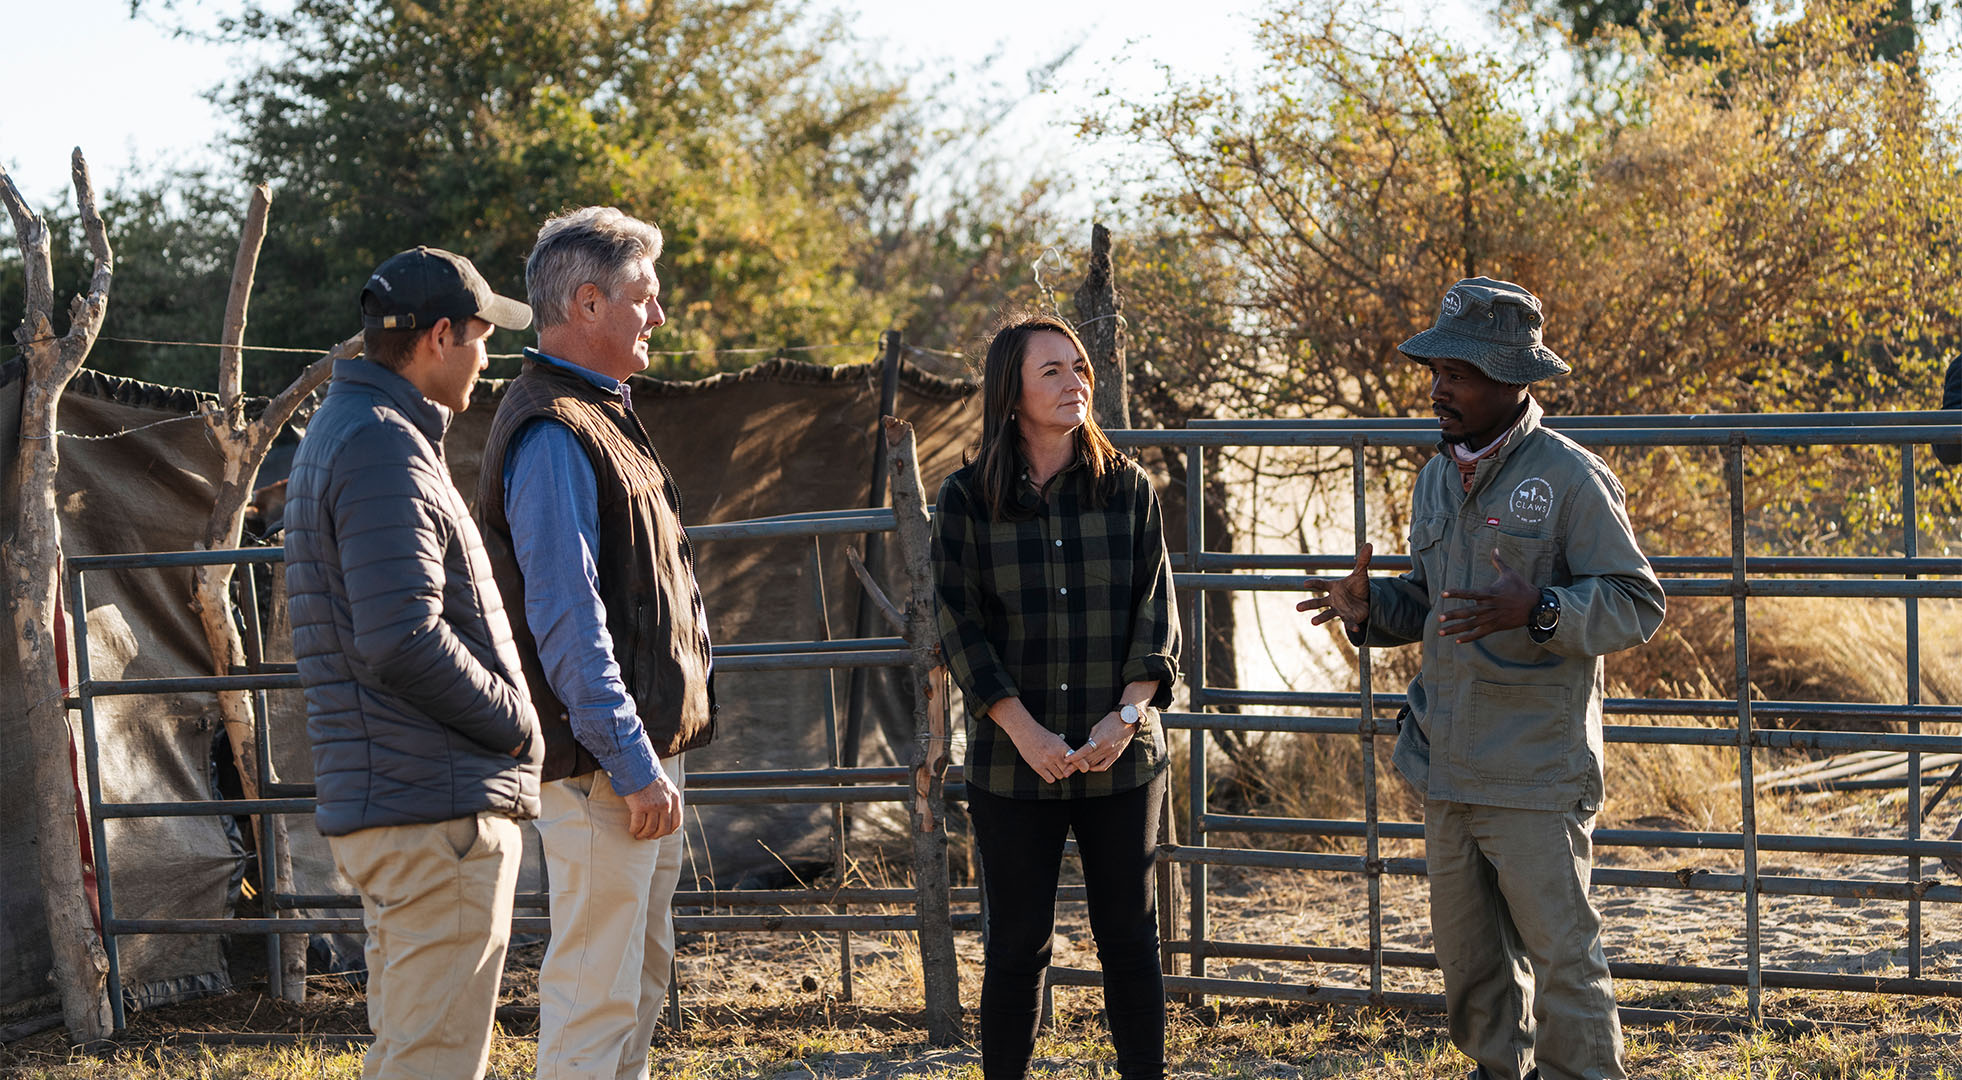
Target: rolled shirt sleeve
(552, 501)
(1154, 649)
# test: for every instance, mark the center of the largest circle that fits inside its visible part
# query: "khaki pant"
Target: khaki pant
(605, 975)
(1525, 981)
(436, 902)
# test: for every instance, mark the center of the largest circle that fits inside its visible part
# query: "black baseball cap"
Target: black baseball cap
(413, 289)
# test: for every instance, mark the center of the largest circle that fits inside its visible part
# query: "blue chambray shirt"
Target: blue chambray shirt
(551, 499)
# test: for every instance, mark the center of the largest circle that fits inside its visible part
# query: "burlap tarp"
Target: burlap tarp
(782, 437)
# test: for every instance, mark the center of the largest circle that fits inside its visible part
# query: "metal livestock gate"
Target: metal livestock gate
(1366, 713)
(1361, 714)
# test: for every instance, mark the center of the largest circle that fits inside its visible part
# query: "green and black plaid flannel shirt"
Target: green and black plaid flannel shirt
(1061, 605)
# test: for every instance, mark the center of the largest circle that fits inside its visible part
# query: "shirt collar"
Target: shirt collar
(428, 417)
(605, 382)
(1028, 497)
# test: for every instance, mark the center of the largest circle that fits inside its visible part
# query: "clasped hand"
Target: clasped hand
(1052, 758)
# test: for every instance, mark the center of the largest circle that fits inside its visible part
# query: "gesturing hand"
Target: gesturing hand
(655, 810)
(1347, 597)
(1506, 606)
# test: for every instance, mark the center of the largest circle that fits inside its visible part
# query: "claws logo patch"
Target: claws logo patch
(1532, 501)
(1454, 303)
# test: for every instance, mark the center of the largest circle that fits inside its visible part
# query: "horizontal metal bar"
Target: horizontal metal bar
(1808, 710)
(1311, 699)
(1780, 885)
(1784, 739)
(720, 898)
(795, 923)
(190, 684)
(1723, 421)
(859, 521)
(1724, 708)
(1761, 587)
(153, 560)
(1695, 880)
(1804, 435)
(754, 777)
(1283, 860)
(1304, 565)
(525, 924)
(831, 794)
(1253, 823)
(792, 648)
(207, 808)
(1643, 838)
(807, 660)
(1275, 991)
(1847, 588)
(1774, 978)
(1299, 725)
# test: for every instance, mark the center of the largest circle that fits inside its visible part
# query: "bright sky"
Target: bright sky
(132, 96)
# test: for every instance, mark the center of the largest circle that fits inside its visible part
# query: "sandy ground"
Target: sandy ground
(773, 1005)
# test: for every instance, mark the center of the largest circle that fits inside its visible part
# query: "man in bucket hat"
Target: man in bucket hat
(1524, 573)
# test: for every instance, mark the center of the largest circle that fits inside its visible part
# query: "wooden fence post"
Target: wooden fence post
(1100, 324)
(931, 718)
(33, 563)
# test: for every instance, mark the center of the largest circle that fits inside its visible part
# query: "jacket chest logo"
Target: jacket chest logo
(1532, 501)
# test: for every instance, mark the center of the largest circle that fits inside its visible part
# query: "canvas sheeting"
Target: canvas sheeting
(779, 438)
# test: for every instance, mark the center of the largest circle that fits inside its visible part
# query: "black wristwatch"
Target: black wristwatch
(1546, 614)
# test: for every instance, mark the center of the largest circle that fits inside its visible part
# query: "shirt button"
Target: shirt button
(1066, 686)
(1059, 543)
(1065, 592)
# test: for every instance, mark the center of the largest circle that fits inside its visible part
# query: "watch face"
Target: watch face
(1546, 616)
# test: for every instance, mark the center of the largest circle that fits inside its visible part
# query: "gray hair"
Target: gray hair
(597, 244)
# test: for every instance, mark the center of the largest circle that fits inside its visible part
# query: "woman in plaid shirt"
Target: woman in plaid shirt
(1057, 620)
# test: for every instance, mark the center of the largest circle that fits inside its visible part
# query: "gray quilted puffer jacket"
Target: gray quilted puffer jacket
(414, 699)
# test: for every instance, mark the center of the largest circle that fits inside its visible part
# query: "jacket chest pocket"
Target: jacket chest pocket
(1427, 548)
(1530, 557)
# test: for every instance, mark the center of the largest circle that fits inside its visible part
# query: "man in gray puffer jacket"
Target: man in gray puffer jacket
(426, 750)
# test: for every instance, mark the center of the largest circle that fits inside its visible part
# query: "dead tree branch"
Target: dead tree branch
(32, 558)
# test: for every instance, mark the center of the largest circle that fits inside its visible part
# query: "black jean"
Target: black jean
(1021, 847)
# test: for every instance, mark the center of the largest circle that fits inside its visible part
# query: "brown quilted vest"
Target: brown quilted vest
(646, 569)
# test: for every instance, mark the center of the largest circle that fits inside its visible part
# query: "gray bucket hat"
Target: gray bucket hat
(1493, 326)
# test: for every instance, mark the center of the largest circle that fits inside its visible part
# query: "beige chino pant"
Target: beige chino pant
(1526, 984)
(605, 975)
(436, 902)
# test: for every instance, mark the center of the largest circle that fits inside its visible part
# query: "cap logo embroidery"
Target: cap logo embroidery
(1454, 304)
(383, 282)
(1532, 501)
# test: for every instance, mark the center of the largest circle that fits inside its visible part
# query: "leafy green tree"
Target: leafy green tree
(175, 238)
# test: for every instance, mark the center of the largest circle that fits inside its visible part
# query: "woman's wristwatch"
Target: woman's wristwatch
(1131, 714)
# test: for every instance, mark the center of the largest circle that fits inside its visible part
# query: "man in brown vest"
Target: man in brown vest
(583, 525)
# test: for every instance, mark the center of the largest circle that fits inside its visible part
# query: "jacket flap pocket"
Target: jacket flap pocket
(1521, 734)
(1426, 531)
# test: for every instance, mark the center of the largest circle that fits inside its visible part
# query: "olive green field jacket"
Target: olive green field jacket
(1507, 720)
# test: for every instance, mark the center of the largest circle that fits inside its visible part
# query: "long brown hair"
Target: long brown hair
(1000, 453)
